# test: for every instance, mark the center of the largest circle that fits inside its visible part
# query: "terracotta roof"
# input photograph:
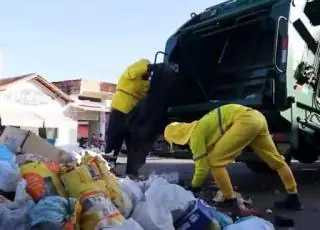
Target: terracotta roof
(4, 82)
(73, 86)
(7, 82)
(69, 86)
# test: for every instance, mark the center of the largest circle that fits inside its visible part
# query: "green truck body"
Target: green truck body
(260, 53)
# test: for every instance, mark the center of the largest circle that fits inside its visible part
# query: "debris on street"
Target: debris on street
(79, 191)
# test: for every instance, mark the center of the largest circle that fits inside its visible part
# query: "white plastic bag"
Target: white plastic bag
(129, 224)
(152, 216)
(173, 197)
(172, 177)
(132, 189)
(10, 176)
(13, 214)
(251, 223)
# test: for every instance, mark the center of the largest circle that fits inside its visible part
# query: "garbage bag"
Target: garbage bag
(83, 179)
(199, 215)
(223, 219)
(94, 176)
(171, 177)
(120, 199)
(173, 197)
(10, 176)
(132, 189)
(13, 213)
(42, 179)
(6, 154)
(251, 223)
(52, 212)
(129, 224)
(152, 215)
(99, 213)
(30, 157)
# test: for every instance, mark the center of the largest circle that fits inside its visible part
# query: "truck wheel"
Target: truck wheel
(307, 152)
(258, 166)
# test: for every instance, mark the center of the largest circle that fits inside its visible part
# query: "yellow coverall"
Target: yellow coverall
(131, 87)
(220, 136)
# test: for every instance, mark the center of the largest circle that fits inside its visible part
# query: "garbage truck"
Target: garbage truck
(259, 53)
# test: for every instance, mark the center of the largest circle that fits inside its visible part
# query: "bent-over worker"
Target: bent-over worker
(219, 137)
(131, 88)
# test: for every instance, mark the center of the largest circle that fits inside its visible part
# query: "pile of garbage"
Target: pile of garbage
(80, 192)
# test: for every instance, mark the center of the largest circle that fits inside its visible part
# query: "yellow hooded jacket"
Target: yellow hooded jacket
(202, 136)
(131, 87)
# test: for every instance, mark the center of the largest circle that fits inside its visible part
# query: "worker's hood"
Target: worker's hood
(179, 133)
(138, 69)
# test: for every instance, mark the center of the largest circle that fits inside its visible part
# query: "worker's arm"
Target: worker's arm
(199, 149)
(137, 70)
(200, 172)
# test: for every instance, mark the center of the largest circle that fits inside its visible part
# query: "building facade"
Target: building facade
(31, 102)
(90, 106)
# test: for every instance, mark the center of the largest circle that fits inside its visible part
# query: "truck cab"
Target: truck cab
(259, 53)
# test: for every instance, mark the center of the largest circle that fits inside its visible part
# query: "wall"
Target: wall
(33, 96)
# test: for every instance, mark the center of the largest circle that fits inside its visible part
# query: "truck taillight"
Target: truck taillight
(284, 49)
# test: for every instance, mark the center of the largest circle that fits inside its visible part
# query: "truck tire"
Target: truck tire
(258, 166)
(308, 151)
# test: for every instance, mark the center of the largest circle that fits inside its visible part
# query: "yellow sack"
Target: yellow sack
(42, 179)
(83, 179)
(99, 212)
(112, 187)
(73, 222)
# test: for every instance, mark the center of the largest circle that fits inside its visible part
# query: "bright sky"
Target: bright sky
(68, 39)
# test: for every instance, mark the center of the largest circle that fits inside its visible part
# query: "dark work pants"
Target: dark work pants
(147, 120)
(115, 133)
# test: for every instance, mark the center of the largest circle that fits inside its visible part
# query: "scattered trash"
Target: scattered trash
(79, 191)
(133, 190)
(13, 213)
(30, 157)
(174, 198)
(99, 213)
(128, 224)
(241, 201)
(223, 219)
(199, 215)
(10, 176)
(268, 211)
(54, 211)
(93, 176)
(6, 154)
(152, 215)
(42, 179)
(171, 177)
(251, 223)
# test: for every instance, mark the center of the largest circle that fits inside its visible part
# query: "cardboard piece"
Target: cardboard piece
(199, 216)
(18, 140)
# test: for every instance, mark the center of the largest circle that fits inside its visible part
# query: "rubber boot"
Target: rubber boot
(291, 202)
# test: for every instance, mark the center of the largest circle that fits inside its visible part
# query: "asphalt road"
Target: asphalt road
(262, 189)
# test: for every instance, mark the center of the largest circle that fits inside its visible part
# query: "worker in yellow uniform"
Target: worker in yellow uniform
(219, 137)
(131, 88)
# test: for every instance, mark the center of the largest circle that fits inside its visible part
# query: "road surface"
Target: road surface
(263, 189)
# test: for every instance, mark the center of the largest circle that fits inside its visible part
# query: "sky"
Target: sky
(97, 39)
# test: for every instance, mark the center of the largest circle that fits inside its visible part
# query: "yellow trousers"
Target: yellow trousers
(249, 129)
